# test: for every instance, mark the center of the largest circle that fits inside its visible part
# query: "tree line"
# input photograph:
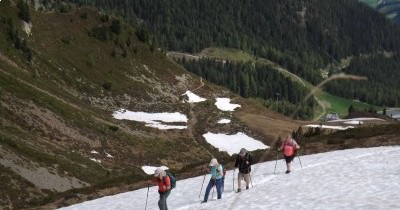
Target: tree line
(302, 36)
(256, 81)
(383, 76)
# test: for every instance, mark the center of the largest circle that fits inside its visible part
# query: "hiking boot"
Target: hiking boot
(287, 172)
(247, 187)
(239, 190)
(204, 202)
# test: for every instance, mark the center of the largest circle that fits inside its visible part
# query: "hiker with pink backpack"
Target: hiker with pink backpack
(289, 147)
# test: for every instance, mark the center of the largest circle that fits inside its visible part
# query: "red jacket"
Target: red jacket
(163, 185)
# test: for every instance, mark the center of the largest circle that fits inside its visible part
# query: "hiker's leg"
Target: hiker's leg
(166, 197)
(208, 189)
(219, 188)
(287, 159)
(240, 177)
(247, 180)
(162, 202)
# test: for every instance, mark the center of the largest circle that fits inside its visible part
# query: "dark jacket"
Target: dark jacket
(244, 163)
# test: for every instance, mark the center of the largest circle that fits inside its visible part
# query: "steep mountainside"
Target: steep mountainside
(63, 74)
(310, 38)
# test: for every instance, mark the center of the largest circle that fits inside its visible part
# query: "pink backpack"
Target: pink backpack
(288, 148)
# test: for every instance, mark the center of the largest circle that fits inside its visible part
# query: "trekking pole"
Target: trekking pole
(251, 181)
(147, 197)
(233, 180)
(299, 135)
(201, 189)
(301, 165)
(298, 156)
(276, 160)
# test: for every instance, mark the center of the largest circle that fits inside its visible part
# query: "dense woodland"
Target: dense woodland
(256, 81)
(386, 85)
(301, 35)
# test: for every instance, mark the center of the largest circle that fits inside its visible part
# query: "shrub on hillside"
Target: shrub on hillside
(101, 33)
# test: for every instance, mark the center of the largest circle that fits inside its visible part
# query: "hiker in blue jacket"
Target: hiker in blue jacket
(217, 175)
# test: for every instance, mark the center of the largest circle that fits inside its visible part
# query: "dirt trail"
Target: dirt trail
(11, 63)
(322, 105)
(193, 121)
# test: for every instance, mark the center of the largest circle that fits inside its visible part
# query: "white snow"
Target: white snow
(233, 143)
(224, 121)
(193, 98)
(357, 119)
(224, 104)
(356, 179)
(95, 160)
(153, 120)
(94, 152)
(354, 122)
(330, 127)
(150, 169)
(27, 28)
(108, 155)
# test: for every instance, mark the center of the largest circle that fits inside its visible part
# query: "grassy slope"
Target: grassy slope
(341, 105)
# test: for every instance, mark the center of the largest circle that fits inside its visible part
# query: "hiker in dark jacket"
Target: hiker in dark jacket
(243, 162)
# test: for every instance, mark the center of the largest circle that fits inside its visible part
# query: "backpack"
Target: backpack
(172, 178)
(289, 149)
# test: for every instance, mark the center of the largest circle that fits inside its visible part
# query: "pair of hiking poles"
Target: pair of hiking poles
(233, 184)
(276, 161)
(201, 189)
(233, 181)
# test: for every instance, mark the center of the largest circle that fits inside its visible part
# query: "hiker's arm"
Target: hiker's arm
(297, 145)
(152, 181)
(250, 160)
(167, 183)
(281, 147)
(237, 162)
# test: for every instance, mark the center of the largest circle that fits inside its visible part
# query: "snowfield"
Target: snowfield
(233, 143)
(193, 98)
(224, 104)
(224, 121)
(153, 120)
(356, 179)
(150, 169)
(330, 127)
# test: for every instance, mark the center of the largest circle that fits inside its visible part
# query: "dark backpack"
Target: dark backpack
(172, 178)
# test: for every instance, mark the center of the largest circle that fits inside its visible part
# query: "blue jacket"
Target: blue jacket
(217, 173)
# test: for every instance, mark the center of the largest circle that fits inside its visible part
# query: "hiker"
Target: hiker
(289, 147)
(243, 162)
(164, 187)
(217, 175)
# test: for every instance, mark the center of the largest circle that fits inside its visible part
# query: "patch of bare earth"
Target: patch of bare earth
(41, 177)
